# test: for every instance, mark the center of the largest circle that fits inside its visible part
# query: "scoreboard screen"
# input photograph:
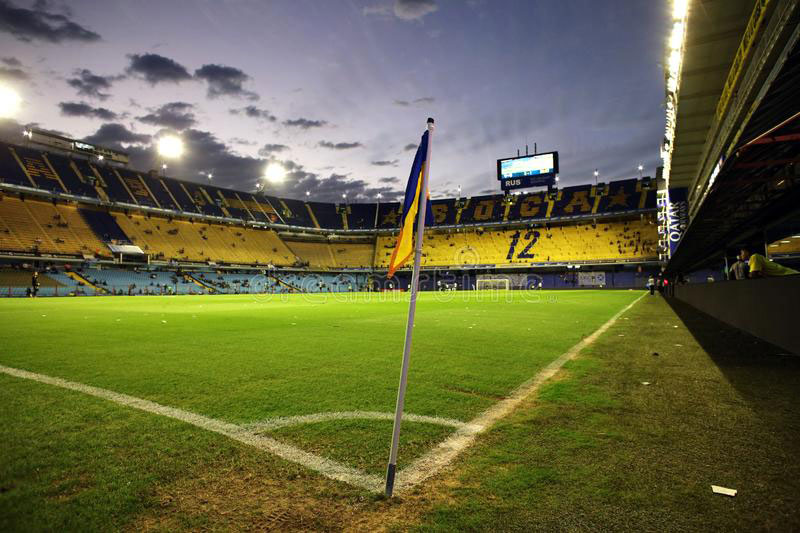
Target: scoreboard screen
(527, 171)
(528, 165)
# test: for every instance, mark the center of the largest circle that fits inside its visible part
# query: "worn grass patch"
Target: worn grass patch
(363, 443)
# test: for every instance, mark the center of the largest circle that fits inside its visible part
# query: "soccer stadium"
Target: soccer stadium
(599, 336)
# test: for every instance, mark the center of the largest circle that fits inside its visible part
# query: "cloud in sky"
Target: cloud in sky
(13, 73)
(156, 69)
(175, 115)
(223, 80)
(114, 135)
(340, 146)
(90, 84)
(414, 9)
(423, 100)
(304, 123)
(252, 111)
(391, 163)
(82, 109)
(409, 10)
(37, 24)
(269, 149)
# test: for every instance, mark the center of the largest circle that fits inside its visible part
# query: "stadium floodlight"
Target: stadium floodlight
(9, 102)
(27, 133)
(308, 193)
(164, 166)
(275, 172)
(380, 196)
(679, 9)
(100, 157)
(676, 37)
(210, 176)
(170, 146)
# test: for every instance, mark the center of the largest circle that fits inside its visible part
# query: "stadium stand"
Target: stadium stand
(44, 227)
(604, 241)
(72, 181)
(225, 228)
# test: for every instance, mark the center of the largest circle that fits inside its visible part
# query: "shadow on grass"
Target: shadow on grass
(761, 372)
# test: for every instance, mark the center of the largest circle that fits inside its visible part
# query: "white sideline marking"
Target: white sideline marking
(446, 451)
(326, 467)
(418, 471)
(285, 421)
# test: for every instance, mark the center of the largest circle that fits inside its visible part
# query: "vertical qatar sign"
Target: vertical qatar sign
(673, 218)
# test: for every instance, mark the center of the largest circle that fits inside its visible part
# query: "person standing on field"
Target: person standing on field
(651, 284)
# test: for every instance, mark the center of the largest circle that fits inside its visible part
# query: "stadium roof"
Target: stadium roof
(741, 169)
(713, 34)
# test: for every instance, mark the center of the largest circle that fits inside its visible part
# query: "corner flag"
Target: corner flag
(404, 247)
(417, 185)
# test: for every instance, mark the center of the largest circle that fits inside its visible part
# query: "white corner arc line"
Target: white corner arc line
(286, 421)
(446, 451)
(324, 466)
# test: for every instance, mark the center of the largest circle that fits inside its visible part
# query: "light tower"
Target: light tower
(9, 102)
(169, 147)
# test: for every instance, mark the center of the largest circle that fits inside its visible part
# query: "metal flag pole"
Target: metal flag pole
(412, 309)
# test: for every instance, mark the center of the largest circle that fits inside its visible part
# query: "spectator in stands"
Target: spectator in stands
(739, 268)
(761, 267)
(651, 284)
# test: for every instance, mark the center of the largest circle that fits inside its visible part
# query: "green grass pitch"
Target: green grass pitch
(70, 460)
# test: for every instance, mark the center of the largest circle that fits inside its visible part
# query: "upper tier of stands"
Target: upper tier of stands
(55, 172)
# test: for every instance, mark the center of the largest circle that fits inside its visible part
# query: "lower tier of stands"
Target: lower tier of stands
(116, 281)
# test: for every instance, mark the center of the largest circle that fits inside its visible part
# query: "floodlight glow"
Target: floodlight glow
(676, 39)
(640, 168)
(170, 147)
(596, 173)
(100, 157)
(164, 166)
(275, 172)
(9, 102)
(679, 9)
(308, 193)
(674, 62)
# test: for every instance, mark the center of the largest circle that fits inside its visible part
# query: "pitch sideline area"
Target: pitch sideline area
(421, 469)
(595, 448)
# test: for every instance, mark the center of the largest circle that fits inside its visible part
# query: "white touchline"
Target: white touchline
(418, 471)
(327, 467)
(446, 451)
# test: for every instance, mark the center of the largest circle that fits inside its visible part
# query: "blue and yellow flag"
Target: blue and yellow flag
(405, 247)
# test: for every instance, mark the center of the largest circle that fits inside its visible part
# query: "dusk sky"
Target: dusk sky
(338, 91)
